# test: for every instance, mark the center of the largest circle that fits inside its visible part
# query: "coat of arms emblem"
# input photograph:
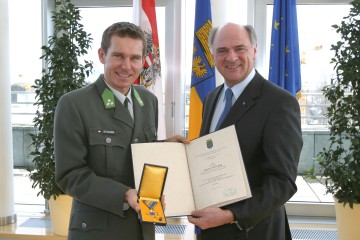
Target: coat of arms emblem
(209, 143)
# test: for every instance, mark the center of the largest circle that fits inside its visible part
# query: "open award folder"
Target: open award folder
(207, 172)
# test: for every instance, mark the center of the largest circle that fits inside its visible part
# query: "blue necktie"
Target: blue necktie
(228, 104)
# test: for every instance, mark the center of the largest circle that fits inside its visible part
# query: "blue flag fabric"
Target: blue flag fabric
(284, 52)
(203, 67)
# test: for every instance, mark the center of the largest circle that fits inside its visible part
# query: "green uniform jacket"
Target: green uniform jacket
(93, 159)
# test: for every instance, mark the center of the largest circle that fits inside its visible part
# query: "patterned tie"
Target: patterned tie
(228, 104)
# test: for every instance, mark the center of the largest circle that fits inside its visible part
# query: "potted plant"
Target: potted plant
(64, 72)
(340, 162)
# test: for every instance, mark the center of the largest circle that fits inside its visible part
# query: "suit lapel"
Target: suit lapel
(208, 110)
(245, 102)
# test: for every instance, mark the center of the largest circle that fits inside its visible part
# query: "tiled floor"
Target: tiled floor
(33, 222)
(311, 190)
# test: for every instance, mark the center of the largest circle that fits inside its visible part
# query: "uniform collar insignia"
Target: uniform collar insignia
(138, 98)
(108, 99)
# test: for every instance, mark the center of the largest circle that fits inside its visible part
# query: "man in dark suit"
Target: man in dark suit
(94, 129)
(267, 121)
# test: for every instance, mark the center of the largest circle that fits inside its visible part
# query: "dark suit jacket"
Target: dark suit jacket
(267, 121)
(94, 162)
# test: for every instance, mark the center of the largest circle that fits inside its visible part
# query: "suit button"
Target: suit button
(108, 140)
(83, 225)
(136, 140)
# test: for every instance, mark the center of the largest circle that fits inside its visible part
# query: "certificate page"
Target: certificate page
(217, 170)
(178, 193)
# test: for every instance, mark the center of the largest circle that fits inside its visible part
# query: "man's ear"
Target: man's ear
(255, 51)
(101, 54)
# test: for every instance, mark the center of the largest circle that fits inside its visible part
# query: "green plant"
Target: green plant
(64, 72)
(341, 160)
(310, 173)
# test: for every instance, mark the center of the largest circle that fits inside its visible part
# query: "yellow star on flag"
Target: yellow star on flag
(276, 25)
(287, 50)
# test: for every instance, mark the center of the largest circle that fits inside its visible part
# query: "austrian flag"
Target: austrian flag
(145, 17)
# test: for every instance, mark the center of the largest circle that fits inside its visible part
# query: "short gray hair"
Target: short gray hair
(211, 38)
(250, 30)
(252, 34)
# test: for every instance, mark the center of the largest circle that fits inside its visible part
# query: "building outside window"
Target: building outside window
(25, 64)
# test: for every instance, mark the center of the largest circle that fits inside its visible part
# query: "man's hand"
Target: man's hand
(131, 198)
(163, 202)
(211, 217)
(177, 138)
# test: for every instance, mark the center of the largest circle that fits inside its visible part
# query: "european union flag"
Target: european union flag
(203, 67)
(284, 53)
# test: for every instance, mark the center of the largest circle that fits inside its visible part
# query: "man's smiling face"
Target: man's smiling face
(123, 62)
(233, 53)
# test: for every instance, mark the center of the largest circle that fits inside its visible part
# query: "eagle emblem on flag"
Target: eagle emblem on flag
(152, 67)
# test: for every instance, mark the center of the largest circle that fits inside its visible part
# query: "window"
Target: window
(25, 64)
(315, 39)
(316, 35)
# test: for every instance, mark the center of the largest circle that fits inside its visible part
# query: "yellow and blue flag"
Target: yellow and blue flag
(203, 67)
(284, 52)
